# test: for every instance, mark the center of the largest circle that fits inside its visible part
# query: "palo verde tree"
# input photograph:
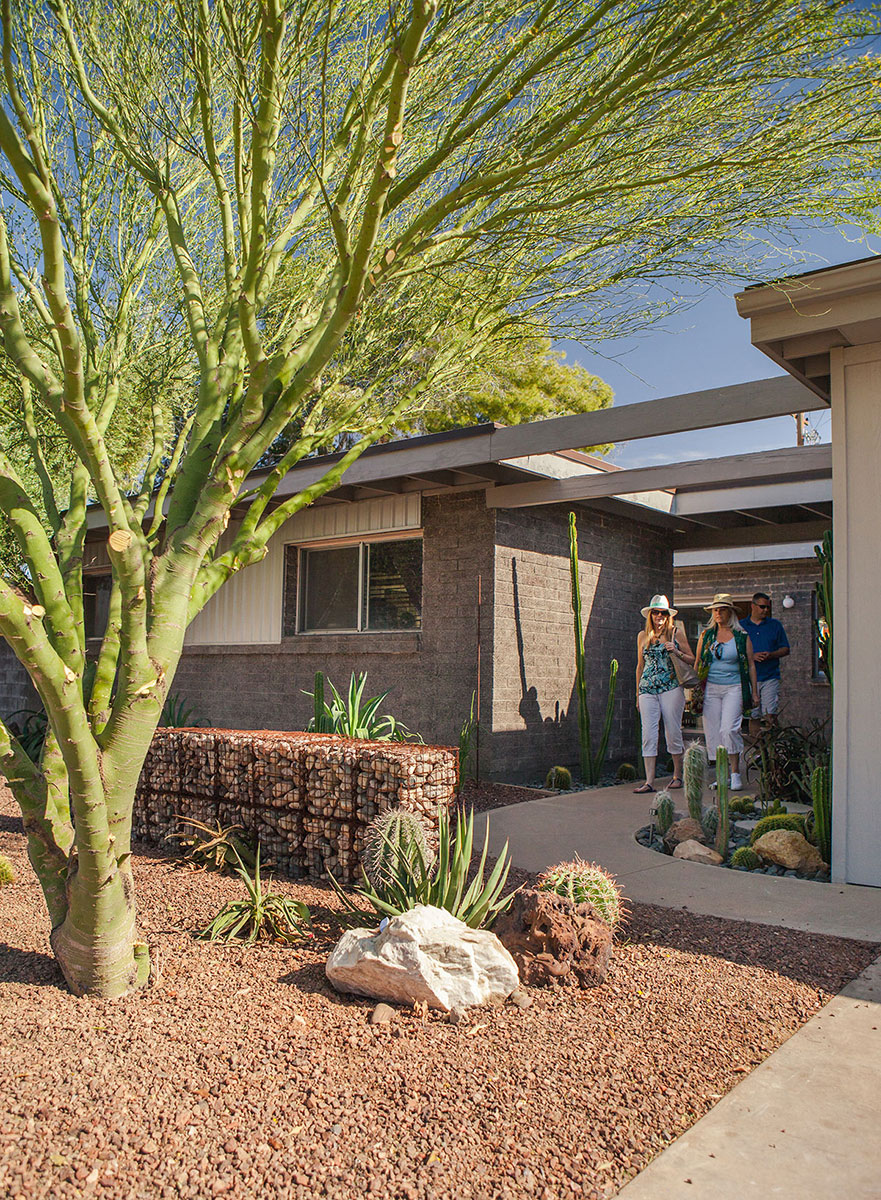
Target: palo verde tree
(224, 219)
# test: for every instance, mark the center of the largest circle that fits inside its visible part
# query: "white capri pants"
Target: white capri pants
(723, 714)
(652, 706)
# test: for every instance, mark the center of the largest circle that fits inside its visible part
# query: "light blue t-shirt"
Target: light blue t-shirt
(724, 669)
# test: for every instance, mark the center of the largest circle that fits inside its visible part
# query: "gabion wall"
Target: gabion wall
(307, 797)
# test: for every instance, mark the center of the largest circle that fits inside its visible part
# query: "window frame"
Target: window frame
(361, 541)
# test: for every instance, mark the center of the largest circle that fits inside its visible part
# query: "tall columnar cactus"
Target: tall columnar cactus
(825, 600)
(694, 767)
(664, 811)
(723, 828)
(393, 844)
(821, 790)
(591, 764)
(581, 881)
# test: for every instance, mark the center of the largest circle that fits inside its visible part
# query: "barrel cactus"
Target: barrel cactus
(626, 773)
(791, 821)
(694, 769)
(559, 777)
(744, 857)
(664, 811)
(585, 882)
(7, 875)
(392, 844)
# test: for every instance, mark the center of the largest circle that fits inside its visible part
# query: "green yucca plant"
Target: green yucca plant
(584, 882)
(445, 883)
(352, 715)
(262, 914)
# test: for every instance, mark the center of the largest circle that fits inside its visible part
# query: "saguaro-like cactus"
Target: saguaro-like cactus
(591, 764)
(694, 767)
(722, 829)
(821, 790)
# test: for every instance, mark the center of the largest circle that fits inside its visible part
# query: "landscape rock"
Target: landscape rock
(693, 851)
(688, 829)
(426, 956)
(520, 998)
(382, 1014)
(789, 849)
(553, 939)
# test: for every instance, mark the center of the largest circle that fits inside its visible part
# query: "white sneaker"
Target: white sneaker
(736, 782)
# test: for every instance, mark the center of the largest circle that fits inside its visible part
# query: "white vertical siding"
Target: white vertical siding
(248, 609)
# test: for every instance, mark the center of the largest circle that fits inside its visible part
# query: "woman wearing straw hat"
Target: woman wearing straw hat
(725, 663)
(659, 693)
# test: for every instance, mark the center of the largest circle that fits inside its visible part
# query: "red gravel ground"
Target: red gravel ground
(240, 1073)
(485, 796)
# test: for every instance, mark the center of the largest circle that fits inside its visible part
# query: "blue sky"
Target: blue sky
(705, 346)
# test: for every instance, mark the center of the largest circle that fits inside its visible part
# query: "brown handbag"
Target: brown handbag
(685, 672)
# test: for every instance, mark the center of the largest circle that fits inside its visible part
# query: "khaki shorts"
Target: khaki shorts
(769, 699)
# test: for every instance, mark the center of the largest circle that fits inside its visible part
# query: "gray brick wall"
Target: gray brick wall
(16, 689)
(535, 710)
(802, 698)
(430, 674)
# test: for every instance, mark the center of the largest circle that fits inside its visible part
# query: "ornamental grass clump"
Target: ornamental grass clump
(585, 882)
(450, 882)
(263, 914)
(7, 875)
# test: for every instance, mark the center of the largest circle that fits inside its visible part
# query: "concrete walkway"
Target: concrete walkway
(805, 1122)
(600, 824)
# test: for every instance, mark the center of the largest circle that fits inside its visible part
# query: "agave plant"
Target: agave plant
(445, 884)
(262, 914)
(353, 716)
(177, 714)
(213, 848)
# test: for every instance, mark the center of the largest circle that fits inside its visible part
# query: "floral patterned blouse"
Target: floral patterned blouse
(657, 672)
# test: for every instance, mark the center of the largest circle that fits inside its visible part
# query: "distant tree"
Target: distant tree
(221, 219)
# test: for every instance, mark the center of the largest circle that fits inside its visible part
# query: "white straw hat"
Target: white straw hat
(659, 603)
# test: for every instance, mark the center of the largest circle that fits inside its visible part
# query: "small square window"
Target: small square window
(96, 603)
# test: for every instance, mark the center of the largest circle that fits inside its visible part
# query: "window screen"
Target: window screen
(96, 603)
(330, 588)
(369, 586)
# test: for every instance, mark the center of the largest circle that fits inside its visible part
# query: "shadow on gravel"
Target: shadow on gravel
(815, 959)
(29, 966)
(11, 824)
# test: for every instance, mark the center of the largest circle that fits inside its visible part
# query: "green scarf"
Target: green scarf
(703, 667)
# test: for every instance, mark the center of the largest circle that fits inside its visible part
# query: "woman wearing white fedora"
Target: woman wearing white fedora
(725, 664)
(659, 693)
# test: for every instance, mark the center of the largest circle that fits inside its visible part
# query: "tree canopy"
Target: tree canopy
(225, 220)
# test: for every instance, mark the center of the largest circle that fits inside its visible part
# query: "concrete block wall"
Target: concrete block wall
(534, 708)
(803, 699)
(16, 690)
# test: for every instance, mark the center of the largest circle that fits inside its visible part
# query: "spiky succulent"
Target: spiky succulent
(742, 805)
(694, 769)
(790, 821)
(709, 824)
(7, 875)
(664, 811)
(585, 882)
(559, 777)
(626, 773)
(744, 857)
(393, 842)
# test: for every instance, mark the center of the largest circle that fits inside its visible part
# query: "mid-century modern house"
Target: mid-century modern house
(440, 564)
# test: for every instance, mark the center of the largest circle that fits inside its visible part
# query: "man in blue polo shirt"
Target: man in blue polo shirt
(770, 644)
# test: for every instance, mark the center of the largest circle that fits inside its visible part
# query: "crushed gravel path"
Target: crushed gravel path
(240, 1073)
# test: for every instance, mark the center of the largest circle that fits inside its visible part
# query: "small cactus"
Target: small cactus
(742, 805)
(664, 811)
(709, 824)
(694, 769)
(778, 821)
(744, 857)
(585, 882)
(723, 829)
(559, 778)
(821, 789)
(7, 875)
(626, 773)
(393, 842)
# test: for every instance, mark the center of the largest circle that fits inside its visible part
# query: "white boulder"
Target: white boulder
(427, 955)
(693, 851)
